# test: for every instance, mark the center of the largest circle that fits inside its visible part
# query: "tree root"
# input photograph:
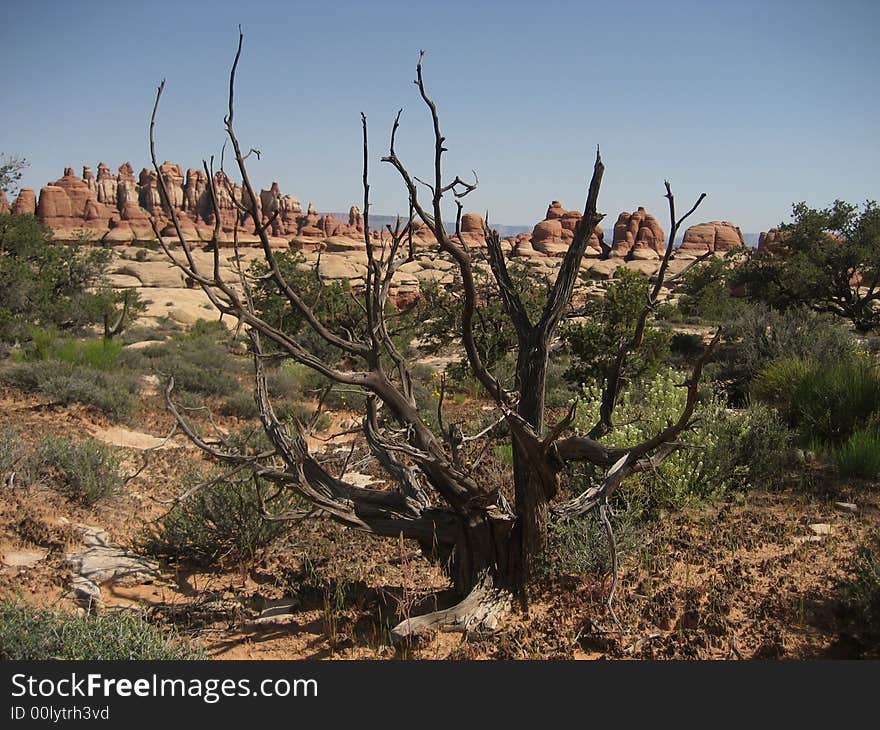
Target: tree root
(481, 610)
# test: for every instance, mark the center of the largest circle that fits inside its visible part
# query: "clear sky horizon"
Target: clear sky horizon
(759, 104)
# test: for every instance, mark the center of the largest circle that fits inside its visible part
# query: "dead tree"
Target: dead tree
(432, 494)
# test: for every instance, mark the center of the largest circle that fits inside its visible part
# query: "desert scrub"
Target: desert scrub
(98, 353)
(861, 592)
(823, 400)
(10, 451)
(218, 523)
(32, 634)
(200, 361)
(579, 545)
(724, 450)
(83, 471)
(760, 336)
(859, 455)
(112, 393)
(243, 405)
(593, 341)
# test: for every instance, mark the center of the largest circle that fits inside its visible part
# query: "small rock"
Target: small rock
(822, 528)
(100, 562)
(86, 593)
(359, 480)
(808, 538)
(847, 507)
(277, 611)
(23, 558)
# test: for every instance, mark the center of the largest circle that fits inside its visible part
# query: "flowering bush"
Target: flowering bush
(724, 450)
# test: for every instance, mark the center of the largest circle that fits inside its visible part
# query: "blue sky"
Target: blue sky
(759, 104)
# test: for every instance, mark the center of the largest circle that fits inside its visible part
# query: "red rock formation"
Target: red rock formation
(69, 205)
(554, 234)
(637, 235)
(89, 178)
(117, 208)
(472, 232)
(355, 219)
(126, 189)
(522, 246)
(554, 211)
(172, 176)
(77, 192)
(54, 204)
(195, 194)
(307, 225)
(4, 203)
(26, 202)
(290, 209)
(771, 240)
(713, 236)
(547, 237)
(105, 186)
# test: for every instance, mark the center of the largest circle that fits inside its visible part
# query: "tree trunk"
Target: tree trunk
(532, 500)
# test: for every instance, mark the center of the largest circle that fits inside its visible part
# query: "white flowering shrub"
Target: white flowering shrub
(724, 450)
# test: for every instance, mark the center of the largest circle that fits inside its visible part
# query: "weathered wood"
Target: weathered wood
(481, 610)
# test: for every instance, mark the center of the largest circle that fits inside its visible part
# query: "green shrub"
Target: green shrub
(594, 342)
(47, 284)
(96, 353)
(199, 361)
(10, 449)
(580, 546)
(34, 634)
(859, 455)
(286, 381)
(141, 334)
(725, 450)
(760, 335)
(83, 471)
(686, 344)
(219, 523)
(115, 394)
(287, 410)
(436, 318)
(861, 592)
(824, 401)
(240, 405)
(332, 302)
(704, 293)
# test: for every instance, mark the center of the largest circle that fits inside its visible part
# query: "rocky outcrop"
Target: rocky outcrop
(714, 236)
(638, 236)
(116, 208)
(472, 230)
(26, 202)
(4, 203)
(70, 204)
(553, 235)
(771, 240)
